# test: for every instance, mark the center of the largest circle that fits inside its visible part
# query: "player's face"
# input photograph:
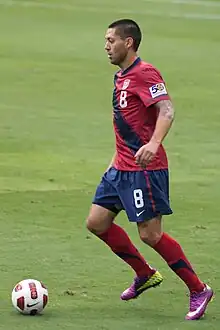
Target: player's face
(116, 47)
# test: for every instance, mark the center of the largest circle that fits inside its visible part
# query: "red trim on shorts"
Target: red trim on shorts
(150, 191)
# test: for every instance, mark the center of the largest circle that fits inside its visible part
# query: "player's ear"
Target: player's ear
(129, 42)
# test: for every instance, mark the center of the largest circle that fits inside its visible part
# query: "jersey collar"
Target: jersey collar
(131, 66)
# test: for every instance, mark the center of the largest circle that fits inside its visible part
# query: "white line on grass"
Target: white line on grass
(196, 3)
(186, 2)
(156, 13)
(11, 106)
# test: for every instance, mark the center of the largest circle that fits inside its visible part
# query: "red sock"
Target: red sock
(172, 252)
(117, 239)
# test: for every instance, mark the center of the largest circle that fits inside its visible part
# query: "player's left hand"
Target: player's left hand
(146, 153)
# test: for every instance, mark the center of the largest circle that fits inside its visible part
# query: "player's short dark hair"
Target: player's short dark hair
(128, 28)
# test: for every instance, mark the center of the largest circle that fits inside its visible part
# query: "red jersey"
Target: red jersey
(136, 90)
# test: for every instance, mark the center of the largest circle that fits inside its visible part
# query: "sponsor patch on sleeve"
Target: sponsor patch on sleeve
(158, 90)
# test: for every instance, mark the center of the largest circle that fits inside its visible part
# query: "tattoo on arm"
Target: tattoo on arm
(166, 109)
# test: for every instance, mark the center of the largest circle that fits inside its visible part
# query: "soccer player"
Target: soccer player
(137, 178)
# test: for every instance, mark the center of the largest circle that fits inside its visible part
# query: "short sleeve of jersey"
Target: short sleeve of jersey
(151, 87)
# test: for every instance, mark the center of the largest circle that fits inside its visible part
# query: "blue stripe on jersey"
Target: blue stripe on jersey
(131, 66)
(132, 140)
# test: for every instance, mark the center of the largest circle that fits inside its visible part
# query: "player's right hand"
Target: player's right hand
(146, 153)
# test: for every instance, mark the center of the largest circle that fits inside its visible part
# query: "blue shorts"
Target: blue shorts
(142, 194)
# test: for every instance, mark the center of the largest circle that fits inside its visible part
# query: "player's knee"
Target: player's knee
(99, 220)
(91, 225)
(150, 238)
(95, 226)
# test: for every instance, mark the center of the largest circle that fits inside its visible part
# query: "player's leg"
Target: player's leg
(99, 219)
(170, 250)
(129, 188)
(151, 233)
(105, 207)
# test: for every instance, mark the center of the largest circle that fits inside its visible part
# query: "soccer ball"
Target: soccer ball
(29, 297)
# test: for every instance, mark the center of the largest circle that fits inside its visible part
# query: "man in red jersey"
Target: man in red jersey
(137, 178)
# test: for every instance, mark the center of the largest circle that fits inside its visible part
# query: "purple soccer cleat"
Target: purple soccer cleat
(198, 303)
(141, 284)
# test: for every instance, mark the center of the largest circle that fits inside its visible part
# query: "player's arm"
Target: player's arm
(112, 162)
(153, 93)
(164, 121)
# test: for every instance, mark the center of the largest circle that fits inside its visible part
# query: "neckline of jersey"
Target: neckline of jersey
(138, 59)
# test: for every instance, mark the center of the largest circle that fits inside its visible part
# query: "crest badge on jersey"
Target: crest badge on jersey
(158, 90)
(126, 84)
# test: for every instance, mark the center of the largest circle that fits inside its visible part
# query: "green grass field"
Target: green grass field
(56, 140)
